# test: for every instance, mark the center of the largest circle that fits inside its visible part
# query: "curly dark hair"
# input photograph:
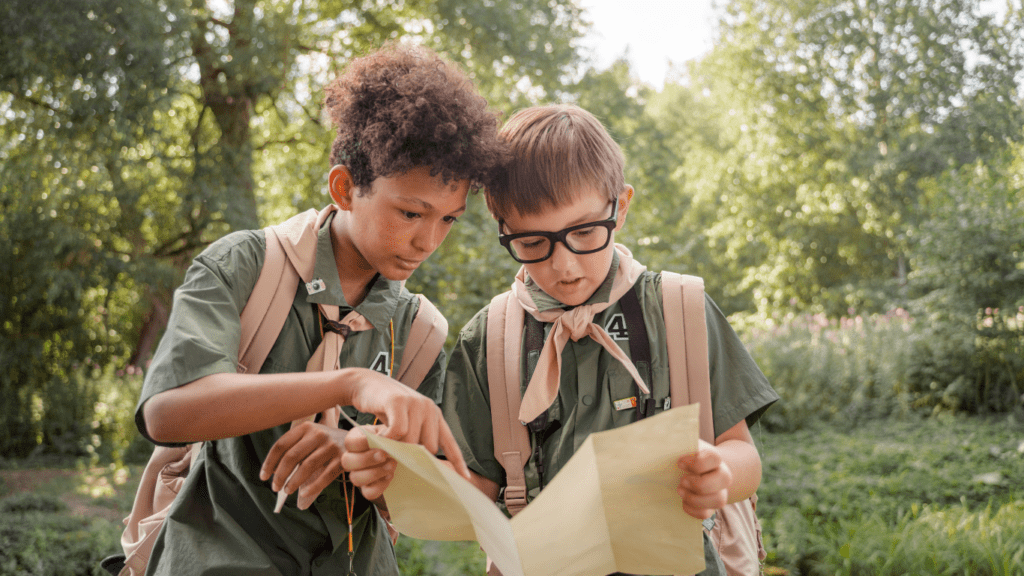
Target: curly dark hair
(404, 107)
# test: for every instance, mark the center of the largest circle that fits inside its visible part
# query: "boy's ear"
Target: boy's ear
(341, 186)
(625, 198)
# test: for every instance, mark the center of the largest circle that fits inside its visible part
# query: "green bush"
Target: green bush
(851, 370)
(857, 369)
(36, 540)
(966, 285)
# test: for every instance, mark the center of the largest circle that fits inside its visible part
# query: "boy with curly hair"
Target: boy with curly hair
(413, 137)
(559, 201)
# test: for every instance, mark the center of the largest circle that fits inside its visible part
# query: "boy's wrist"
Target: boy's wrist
(348, 383)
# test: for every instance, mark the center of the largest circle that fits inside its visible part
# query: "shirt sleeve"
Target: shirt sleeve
(204, 327)
(739, 390)
(466, 401)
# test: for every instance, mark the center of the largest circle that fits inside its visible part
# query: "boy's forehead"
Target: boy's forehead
(587, 205)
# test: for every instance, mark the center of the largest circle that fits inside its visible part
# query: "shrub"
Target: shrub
(36, 540)
(852, 369)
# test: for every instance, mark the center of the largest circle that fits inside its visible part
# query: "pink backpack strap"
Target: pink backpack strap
(426, 339)
(511, 442)
(290, 255)
(687, 336)
(737, 532)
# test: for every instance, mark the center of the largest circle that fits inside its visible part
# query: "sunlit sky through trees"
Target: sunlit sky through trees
(656, 32)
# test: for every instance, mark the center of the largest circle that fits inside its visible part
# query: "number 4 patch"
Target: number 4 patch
(381, 364)
(616, 327)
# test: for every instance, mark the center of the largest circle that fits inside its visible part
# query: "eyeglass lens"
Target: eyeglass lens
(581, 241)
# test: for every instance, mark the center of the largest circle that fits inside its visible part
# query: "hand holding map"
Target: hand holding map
(612, 508)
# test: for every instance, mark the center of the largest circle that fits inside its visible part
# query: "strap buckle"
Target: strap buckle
(515, 497)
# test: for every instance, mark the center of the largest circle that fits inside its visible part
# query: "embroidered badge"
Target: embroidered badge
(625, 403)
(317, 285)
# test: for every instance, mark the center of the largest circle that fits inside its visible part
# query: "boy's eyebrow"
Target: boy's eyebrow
(427, 205)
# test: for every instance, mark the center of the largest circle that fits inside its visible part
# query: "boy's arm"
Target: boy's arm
(227, 405)
(717, 475)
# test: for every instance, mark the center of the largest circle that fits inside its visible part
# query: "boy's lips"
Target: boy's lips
(408, 263)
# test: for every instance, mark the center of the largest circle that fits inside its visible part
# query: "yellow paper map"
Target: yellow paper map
(612, 508)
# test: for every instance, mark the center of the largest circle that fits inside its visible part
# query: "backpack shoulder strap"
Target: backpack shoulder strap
(268, 305)
(686, 331)
(426, 339)
(505, 319)
(639, 349)
(290, 254)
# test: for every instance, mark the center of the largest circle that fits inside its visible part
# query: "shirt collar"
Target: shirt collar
(381, 300)
(543, 301)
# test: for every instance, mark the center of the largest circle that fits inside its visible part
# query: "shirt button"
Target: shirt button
(588, 399)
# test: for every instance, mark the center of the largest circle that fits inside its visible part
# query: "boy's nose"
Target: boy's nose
(562, 258)
(429, 236)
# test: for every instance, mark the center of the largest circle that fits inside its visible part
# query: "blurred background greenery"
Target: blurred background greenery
(846, 175)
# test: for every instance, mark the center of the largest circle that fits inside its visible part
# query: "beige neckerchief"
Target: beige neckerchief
(575, 323)
(327, 356)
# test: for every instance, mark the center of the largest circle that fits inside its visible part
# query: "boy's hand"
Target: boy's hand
(370, 470)
(306, 458)
(407, 416)
(704, 486)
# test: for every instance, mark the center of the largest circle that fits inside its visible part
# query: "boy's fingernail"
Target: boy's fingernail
(378, 457)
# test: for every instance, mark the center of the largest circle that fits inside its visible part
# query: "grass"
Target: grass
(934, 496)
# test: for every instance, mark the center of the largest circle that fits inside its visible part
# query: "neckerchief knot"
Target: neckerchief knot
(575, 323)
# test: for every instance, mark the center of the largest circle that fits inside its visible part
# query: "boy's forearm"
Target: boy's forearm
(227, 405)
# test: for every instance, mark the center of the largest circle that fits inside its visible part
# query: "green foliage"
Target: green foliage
(133, 135)
(967, 281)
(830, 114)
(31, 502)
(36, 539)
(427, 558)
(895, 497)
(856, 370)
(850, 370)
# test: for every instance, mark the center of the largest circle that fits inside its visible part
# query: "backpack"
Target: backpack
(289, 256)
(737, 531)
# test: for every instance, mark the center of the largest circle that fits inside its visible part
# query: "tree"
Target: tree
(966, 284)
(134, 134)
(835, 112)
(65, 231)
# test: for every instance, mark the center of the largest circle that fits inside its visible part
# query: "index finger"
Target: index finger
(283, 444)
(452, 451)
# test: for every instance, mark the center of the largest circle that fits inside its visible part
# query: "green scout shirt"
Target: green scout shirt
(223, 521)
(592, 380)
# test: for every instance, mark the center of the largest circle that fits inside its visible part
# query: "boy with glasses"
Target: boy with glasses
(559, 201)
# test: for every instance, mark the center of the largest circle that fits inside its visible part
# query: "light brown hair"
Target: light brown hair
(555, 151)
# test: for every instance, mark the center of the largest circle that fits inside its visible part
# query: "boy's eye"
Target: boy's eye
(531, 242)
(410, 215)
(451, 219)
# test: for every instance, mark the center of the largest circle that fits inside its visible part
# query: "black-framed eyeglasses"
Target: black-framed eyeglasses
(532, 247)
